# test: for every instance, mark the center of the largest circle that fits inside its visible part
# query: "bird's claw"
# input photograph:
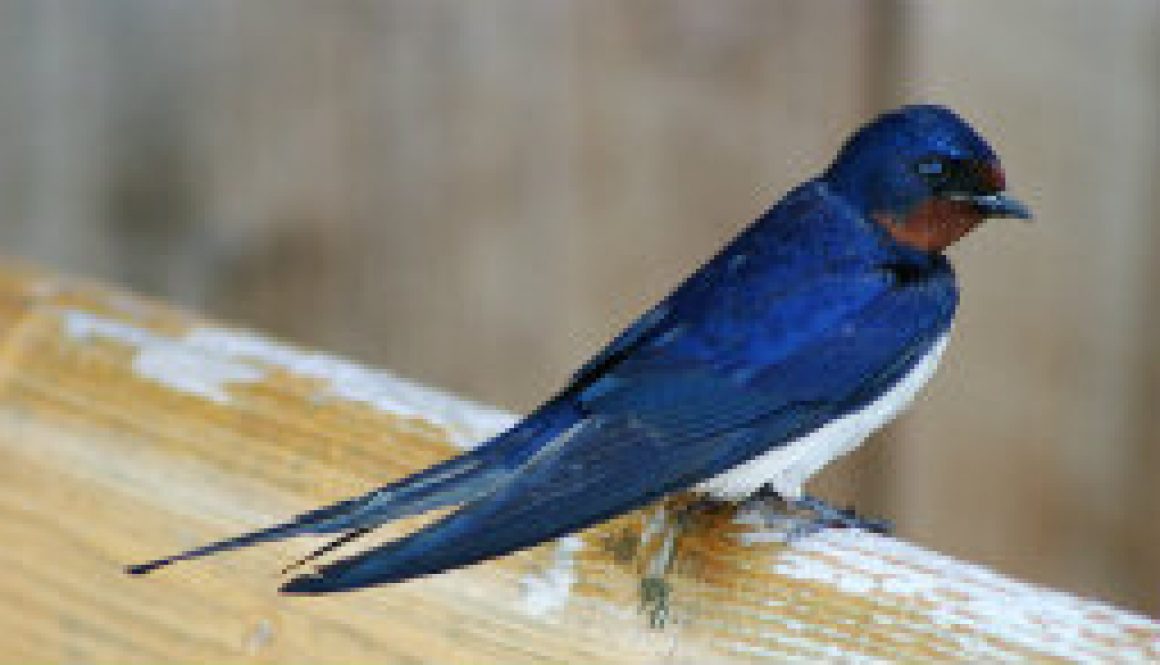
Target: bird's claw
(828, 516)
(821, 515)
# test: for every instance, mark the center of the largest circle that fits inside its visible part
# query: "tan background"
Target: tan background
(479, 194)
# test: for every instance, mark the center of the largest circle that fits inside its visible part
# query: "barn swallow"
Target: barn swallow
(813, 328)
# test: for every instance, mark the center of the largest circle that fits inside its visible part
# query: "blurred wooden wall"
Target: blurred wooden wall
(479, 194)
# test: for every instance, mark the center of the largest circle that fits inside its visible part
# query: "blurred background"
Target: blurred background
(478, 195)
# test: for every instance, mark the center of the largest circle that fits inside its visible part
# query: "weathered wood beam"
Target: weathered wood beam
(129, 430)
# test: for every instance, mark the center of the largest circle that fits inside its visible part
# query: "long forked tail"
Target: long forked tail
(454, 481)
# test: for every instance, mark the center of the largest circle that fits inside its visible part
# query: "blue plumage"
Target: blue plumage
(815, 311)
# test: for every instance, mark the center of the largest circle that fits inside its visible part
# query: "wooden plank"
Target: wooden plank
(128, 430)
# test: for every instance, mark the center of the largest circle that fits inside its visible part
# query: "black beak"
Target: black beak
(1000, 204)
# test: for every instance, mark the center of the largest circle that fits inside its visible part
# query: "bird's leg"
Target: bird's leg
(661, 540)
(822, 515)
(659, 548)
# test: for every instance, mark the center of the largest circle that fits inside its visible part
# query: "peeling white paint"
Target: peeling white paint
(170, 362)
(205, 361)
(466, 422)
(548, 590)
(967, 602)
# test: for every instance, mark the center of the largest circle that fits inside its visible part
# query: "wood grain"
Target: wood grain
(517, 180)
(129, 430)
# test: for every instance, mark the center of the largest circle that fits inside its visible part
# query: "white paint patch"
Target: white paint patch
(549, 590)
(170, 362)
(788, 467)
(205, 361)
(982, 612)
(466, 422)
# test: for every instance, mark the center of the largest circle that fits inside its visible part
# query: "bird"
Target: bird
(814, 327)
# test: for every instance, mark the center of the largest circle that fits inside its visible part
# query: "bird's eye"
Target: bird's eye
(958, 178)
(932, 167)
(947, 175)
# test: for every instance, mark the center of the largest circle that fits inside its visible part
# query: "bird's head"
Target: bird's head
(924, 175)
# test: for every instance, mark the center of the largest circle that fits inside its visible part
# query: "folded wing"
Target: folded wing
(670, 415)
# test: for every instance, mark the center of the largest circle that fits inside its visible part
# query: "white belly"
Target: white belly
(788, 467)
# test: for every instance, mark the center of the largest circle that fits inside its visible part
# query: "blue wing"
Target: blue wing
(686, 395)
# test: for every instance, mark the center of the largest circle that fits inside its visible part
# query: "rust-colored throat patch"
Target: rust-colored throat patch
(933, 225)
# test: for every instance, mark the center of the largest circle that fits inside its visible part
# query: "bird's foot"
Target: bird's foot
(654, 601)
(807, 515)
(825, 516)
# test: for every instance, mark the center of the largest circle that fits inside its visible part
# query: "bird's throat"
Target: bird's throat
(932, 225)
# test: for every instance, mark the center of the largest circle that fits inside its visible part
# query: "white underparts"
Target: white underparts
(789, 466)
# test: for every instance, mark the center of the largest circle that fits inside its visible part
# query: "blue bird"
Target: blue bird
(813, 328)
